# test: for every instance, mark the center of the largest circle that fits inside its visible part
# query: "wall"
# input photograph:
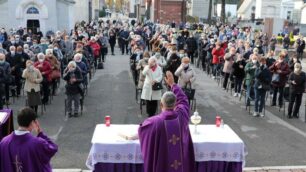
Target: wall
(170, 10)
(3, 12)
(81, 11)
(63, 16)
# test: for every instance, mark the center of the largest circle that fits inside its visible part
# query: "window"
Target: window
(32, 10)
(288, 15)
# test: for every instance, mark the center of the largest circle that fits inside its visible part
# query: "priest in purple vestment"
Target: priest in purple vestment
(165, 139)
(21, 151)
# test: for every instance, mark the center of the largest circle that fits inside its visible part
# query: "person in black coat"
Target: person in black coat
(300, 43)
(134, 59)
(238, 74)
(192, 46)
(173, 63)
(203, 48)
(112, 40)
(73, 78)
(292, 62)
(17, 63)
(262, 85)
(296, 90)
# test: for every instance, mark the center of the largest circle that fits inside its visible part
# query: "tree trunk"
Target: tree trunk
(209, 11)
(223, 11)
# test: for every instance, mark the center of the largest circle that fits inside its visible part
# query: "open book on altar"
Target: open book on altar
(2, 117)
(128, 136)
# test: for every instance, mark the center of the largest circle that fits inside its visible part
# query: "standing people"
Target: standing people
(73, 78)
(154, 76)
(112, 40)
(228, 65)
(5, 66)
(218, 54)
(238, 74)
(280, 70)
(250, 69)
(33, 79)
(296, 90)
(124, 35)
(45, 69)
(261, 86)
(300, 46)
(191, 47)
(17, 148)
(185, 73)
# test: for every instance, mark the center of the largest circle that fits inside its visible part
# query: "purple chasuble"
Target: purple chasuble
(165, 139)
(26, 153)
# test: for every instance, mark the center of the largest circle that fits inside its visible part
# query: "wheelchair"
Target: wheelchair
(81, 106)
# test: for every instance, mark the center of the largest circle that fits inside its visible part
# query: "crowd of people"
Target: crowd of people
(244, 59)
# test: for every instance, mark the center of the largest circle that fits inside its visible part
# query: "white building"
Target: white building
(199, 8)
(46, 15)
(292, 10)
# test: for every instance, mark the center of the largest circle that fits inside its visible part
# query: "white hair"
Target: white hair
(152, 59)
(40, 56)
(72, 63)
(49, 51)
(77, 55)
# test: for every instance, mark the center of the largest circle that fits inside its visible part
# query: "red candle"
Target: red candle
(107, 121)
(218, 121)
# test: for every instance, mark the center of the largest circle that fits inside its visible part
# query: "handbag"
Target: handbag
(275, 78)
(157, 86)
(190, 92)
(55, 74)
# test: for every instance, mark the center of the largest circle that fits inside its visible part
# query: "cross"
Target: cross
(18, 164)
(174, 139)
(176, 164)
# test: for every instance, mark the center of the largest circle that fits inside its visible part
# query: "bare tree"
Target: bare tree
(223, 11)
(209, 11)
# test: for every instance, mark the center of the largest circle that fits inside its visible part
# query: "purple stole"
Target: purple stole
(174, 140)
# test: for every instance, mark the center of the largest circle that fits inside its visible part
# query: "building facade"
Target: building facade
(46, 15)
(165, 10)
(291, 10)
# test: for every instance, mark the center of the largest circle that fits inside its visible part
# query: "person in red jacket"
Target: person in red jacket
(218, 55)
(96, 49)
(45, 69)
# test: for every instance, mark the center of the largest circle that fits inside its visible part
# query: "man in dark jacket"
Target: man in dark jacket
(300, 47)
(191, 47)
(73, 77)
(173, 63)
(16, 62)
(124, 35)
(7, 71)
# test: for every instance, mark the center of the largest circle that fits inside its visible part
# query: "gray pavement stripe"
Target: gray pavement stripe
(273, 118)
(55, 137)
